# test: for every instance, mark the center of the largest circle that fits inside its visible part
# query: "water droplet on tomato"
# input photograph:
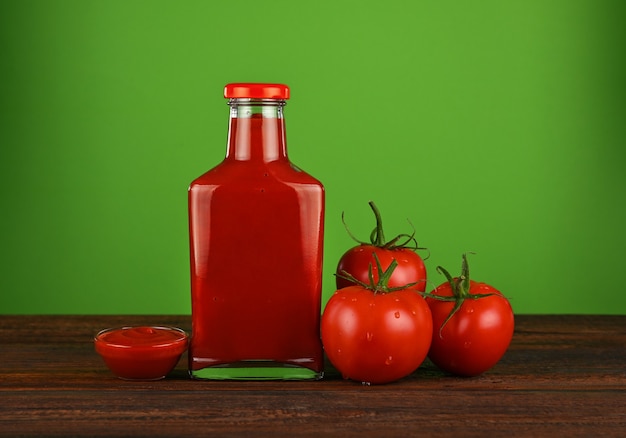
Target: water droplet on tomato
(389, 360)
(467, 344)
(397, 314)
(369, 336)
(397, 300)
(353, 300)
(338, 350)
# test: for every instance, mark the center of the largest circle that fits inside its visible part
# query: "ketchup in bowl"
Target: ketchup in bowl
(141, 353)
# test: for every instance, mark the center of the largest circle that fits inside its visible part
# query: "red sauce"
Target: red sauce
(142, 338)
(256, 225)
(141, 352)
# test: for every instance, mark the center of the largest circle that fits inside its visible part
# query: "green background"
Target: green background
(496, 127)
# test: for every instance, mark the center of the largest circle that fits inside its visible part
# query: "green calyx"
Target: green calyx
(377, 236)
(460, 290)
(382, 285)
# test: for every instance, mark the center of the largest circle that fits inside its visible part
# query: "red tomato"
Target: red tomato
(357, 260)
(473, 325)
(376, 336)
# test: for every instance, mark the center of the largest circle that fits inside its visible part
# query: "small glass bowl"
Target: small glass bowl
(141, 353)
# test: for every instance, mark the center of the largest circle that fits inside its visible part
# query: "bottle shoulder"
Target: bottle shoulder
(241, 173)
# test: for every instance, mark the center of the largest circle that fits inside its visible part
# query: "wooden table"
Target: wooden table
(562, 376)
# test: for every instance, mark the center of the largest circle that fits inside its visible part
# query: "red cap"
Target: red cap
(256, 91)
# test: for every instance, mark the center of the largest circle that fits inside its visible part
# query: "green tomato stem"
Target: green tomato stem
(465, 277)
(378, 236)
(460, 289)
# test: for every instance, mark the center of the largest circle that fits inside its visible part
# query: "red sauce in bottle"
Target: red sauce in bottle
(256, 230)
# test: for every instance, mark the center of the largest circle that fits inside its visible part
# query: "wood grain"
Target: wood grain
(562, 375)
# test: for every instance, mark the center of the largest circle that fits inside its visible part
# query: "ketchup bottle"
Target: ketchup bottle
(256, 224)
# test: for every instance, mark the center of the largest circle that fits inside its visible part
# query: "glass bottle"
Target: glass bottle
(256, 225)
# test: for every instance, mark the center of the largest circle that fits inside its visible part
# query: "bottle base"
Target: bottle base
(256, 370)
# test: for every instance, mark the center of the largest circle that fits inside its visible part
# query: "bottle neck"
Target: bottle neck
(256, 130)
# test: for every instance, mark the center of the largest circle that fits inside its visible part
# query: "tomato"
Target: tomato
(357, 260)
(473, 324)
(376, 334)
